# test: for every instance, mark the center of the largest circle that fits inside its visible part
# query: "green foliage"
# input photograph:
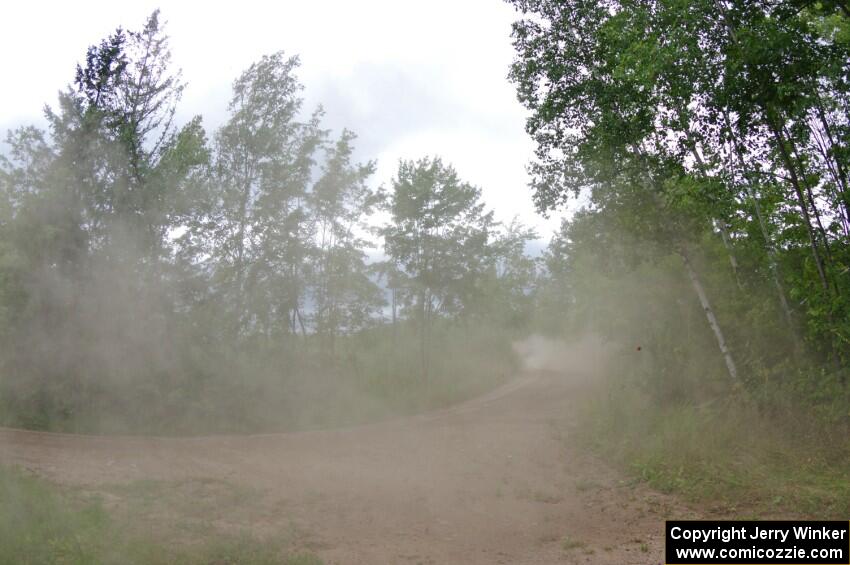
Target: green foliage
(686, 121)
(41, 523)
(438, 236)
(154, 277)
(708, 142)
(37, 523)
(730, 455)
(346, 298)
(441, 250)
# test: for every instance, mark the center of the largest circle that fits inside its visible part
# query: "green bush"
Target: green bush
(742, 455)
(42, 524)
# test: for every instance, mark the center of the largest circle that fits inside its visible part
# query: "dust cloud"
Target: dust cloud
(589, 355)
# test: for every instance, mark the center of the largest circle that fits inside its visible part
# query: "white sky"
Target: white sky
(410, 78)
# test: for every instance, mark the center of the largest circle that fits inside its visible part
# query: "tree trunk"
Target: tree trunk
(709, 314)
(423, 335)
(808, 190)
(768, 243)
(301, 322)
(395, 315)
(838, 172)
(801, 200)
(733, 261)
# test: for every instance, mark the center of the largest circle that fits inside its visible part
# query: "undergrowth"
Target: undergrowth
(42, 523)
(768, 453)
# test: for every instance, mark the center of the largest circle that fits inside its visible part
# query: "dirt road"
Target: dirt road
(494, 480)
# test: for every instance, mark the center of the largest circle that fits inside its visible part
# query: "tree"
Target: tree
(503, 293)
(92, 204)
(344, 295)
(437, 238)
(113, 129)
(256, 232)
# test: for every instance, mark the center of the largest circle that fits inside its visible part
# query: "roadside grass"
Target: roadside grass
(729, 457)
(145, 522)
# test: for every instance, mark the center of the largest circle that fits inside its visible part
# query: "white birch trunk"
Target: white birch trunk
(712, 319)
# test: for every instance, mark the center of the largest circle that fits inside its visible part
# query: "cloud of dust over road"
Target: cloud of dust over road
(588, 355)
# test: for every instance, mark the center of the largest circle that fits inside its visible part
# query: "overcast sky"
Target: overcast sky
(410, 78)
